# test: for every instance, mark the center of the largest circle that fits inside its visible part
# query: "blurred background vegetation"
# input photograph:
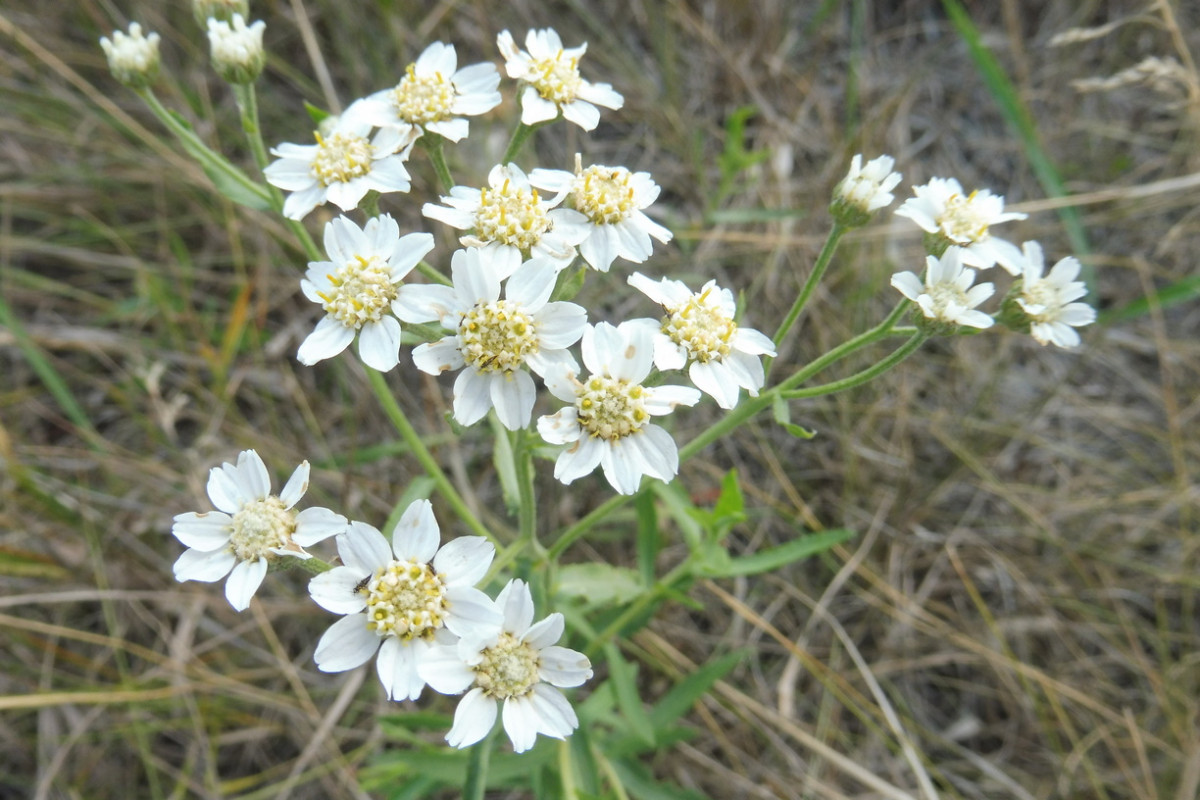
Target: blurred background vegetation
(1016, 615)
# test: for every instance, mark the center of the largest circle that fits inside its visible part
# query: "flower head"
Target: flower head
(1044, 303)
(864, 190)
(358, 288)
(611, 199)
(552, 80)
(250, 528)
(398, 598)
(699, 331)
(434, 95)
(341, 167)
(510, 222)
(237, 50)
(517, 664)
(133, 59)
(494, 339)
(608, 421)
(953, 218)
(946, 297)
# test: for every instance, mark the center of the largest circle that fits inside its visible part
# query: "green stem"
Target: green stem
(810, 286)
(638, 606)
(859, 378)
(369, 205)
(519, 137)
(527, 511)
(433, 144)
(573, 532)
(247, 101)
(477, 766)
(410, 436)
(431, 272)
(313, 566)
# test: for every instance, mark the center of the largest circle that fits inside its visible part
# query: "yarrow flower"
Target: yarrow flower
(608, 421)
(552, 79)
(133, 59)
(495, 338)
(517, 665)
(399, 597)
(341, 167)
(250, 528)
(359, 288)
(941, 209)
(612, 200)
(237, 50)
(434, 95)
(699, 330)
(946, 297)
(864, 190)
(510, 222)
(1044, 302)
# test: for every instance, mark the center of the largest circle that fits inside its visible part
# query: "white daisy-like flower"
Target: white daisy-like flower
(552, 79)
(608, 421)
(494, 338)
(132, 58)
(341, 167)
(237, 49)
(399, 598)
(1047, 300)
(518, 665)
(434, 95)
(612, 199)
(250, 528)
(510, 222)
(699, 330)
(358, 288)
(866, 189)
(947, 296)
(943, 209)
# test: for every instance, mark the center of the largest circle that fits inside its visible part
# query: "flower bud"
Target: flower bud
(237, 50)
(132, 58)
(864, 190)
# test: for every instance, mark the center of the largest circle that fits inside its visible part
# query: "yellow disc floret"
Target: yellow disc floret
(406, 599)
(361, 291)
(702, 327)
(497, 336)
(611, 408)
(604, 195)
(259, 526)
(509, 668)
(341, 158)
(511, 215)
(557, 78)
(421, 99)
(962, 221)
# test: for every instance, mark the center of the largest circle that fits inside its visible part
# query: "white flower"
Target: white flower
(608, 421)
(612, 199)
(518, 665)
(250, 528)
(237, 50)
(699, 329)
(133, 59)
(358, 286)
(941, 208)
(1047, 300)
(434, 95)
(341, 167)
(867, 189)
(947, 295)
(510, 222)
(398, 598)
(494, 338)
(553, 82)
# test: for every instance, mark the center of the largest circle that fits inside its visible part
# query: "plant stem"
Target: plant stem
(431, 272)
(859, 378)
(810, 286)
(313, 566)
(527, 510)
(477, 766)
(519, 137)
(433, 144)
(410, 436)
(247, 101)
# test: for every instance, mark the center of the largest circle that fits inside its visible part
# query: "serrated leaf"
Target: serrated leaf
(599, 584)
(775, 557)
(675, 703)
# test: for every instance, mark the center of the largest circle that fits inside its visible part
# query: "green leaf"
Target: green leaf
(570, 282)
(648, 540)
(623, 676)
(675, 703)
(732, 503)
(640, 783)
(599, 584)
(506, 467)
(317, 115)
(775, 557)
(1179, 292)
(421, 488)
(783, 415)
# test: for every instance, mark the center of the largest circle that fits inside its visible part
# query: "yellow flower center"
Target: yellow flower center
(961, 221)
(701, 327)
(497, 336)
(509, 668)
(421, 99)
(945, 294)
(604, 195)
(259, 526)
(341, 158)
(406, 599)
(362, 291)
(557, 78)
(512, 216)
(611, 408)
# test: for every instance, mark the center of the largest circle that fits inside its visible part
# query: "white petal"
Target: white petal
(560, 428)
(713, 378)
(244, 581)
(623, 466)
(296, 486)
(473, 719)
(579, 459)
(206, 531)
(516, 602)
(317, 524)
(463, 561)
(336, 590)
(535, 108)
(346, 645)
(445, 671)
(329, 338)
(472, 396)
(472, 613)
(417, 534)
(554, 713)
(452, 129)
(659, 455)
(379, 344)
(397, 667)
(560, 325)
(223, 491)
(664, 399)
(543, 634)
(532, 284)
(255, 481)
(437, 357)
(363, 548)
(600, 248)
(582, 113)
(426, 303)
(520, 723)
(198, 565)
(563, 666)
(513, 396)
(753, 342)
(908, 284)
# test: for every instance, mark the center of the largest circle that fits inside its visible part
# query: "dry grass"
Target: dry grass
(1017, 616)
